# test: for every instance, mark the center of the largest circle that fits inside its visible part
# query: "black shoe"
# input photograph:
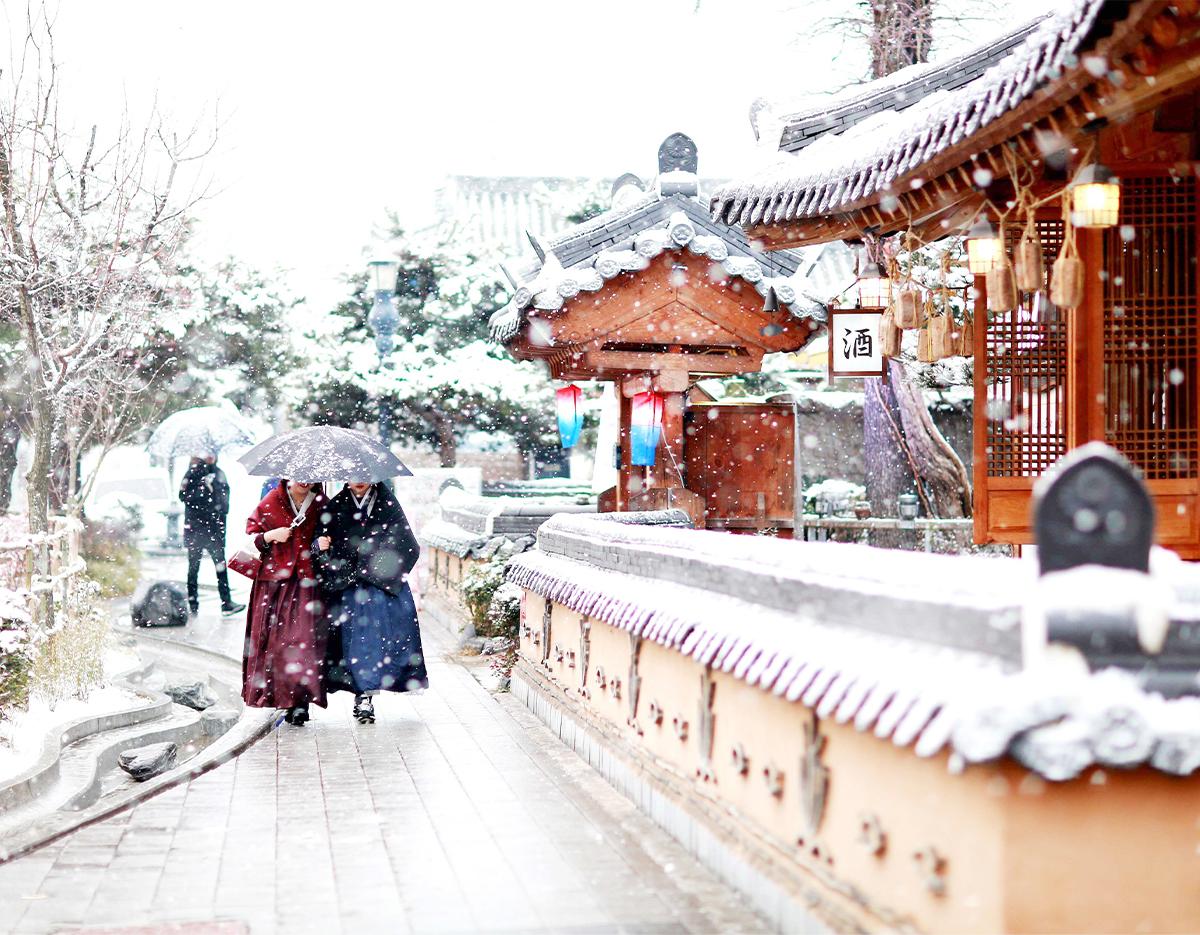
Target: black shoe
(193, 611)
(229, 610)
(297, 716)
(364, 709)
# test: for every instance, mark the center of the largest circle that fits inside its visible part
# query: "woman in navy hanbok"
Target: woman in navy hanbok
(365, 551)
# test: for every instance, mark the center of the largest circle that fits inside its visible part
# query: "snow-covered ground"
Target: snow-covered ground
(22, 733)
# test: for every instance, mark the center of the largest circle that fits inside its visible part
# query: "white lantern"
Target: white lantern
(1095, 197)
(874, 288)
(985, 252)
(383, 275)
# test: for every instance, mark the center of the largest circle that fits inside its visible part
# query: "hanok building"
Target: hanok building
(932, 148)
(654, 295)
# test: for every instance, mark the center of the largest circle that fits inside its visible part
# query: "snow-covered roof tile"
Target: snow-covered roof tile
(583, 258)
(840, 151)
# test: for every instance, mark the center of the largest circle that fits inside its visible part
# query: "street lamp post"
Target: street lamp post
(383, 320)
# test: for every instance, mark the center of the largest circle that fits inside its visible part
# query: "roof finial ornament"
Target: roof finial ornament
(677, 166)
(677, 154)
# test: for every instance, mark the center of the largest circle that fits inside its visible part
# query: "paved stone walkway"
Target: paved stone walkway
(456, 812)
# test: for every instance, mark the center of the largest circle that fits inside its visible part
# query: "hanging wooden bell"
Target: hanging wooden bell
(890, 335)
(941, 344)
(1066, 282)
(1001, 288)
(1030, 269)
(966, 336)
(908, 308)
(925, 345)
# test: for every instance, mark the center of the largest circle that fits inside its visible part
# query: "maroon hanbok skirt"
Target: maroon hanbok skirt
(284, 658)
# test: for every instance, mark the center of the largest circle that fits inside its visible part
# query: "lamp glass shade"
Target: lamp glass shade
(645, 427)
(874, 289)
(570, 416)
(383, 275)
(985, 251)
(1095, 197)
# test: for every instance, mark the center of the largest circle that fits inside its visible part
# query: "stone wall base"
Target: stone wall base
(789, 899)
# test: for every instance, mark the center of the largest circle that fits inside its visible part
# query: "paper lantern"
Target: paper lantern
(984, 249)
(1095, 197)
(874, 288)
(570, 416)
(645, 427)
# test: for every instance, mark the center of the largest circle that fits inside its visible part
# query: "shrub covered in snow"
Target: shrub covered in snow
(67, 661)
(479, 586)
(504, 611)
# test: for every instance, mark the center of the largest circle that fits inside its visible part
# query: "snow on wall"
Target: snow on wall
(810, 623)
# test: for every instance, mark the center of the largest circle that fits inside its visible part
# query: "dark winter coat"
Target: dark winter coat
(205, 496)
(377, 549)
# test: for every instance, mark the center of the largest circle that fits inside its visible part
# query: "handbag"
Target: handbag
(247, 560)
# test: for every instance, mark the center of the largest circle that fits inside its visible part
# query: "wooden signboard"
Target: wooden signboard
(854, 348)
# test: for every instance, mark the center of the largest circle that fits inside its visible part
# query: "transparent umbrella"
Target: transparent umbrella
(197, 432)
(321, 453)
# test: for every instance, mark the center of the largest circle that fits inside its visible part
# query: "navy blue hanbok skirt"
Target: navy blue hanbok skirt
(374, 642)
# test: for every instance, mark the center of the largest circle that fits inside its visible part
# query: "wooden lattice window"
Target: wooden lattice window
(1150, 344)
(1026, 374)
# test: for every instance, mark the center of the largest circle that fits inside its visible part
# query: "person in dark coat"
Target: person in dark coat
(284, 657)
(205, 496)
(365, 551)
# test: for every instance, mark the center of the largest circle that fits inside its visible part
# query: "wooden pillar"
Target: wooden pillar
(624, 467)
(1086, 404)
(668, 466)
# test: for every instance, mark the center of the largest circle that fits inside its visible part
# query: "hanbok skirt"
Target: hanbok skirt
(284, 658)
(374, 642)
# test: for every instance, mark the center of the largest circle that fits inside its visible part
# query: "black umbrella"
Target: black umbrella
(321, 453)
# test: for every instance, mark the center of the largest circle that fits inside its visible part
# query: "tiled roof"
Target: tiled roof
(870, 143)
(625, 239)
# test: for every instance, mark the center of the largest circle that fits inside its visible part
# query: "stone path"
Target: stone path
(457, 811)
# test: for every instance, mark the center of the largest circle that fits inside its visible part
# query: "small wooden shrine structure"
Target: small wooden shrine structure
(654, 295)
(1003, 131)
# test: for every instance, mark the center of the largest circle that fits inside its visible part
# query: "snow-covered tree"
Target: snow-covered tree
(89, 223)
(229, 336)
(445, 381)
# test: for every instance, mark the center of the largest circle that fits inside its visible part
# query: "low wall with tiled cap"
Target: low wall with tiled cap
(847, 734)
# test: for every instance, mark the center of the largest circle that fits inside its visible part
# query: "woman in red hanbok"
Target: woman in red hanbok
(285, 626)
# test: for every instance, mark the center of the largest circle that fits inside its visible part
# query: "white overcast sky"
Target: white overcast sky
(333, 112)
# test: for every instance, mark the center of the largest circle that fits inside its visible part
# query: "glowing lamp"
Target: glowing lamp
(570, 416)
(1095, 197)
(985, 251)
(645, 427)
(874, 288)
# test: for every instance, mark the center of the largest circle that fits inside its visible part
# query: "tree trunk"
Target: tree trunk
(888, 472)
(447, 446)
(902, 443)
(10, 437)
(904, 450)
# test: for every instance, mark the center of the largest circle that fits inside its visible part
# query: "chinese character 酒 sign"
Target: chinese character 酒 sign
(854, 349)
